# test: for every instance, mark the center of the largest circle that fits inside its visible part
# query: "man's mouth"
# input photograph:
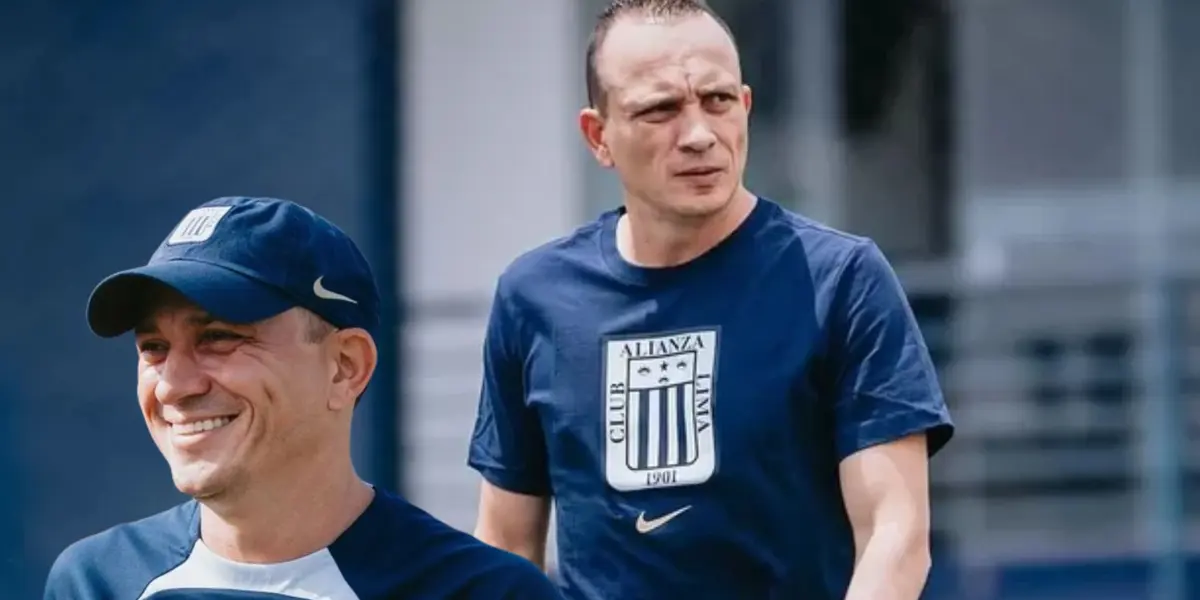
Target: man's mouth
(201, 426)
(699, 171)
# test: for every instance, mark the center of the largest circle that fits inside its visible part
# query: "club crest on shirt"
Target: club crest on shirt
(658, 409)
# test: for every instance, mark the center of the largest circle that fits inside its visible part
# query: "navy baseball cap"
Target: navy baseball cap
(243, 260)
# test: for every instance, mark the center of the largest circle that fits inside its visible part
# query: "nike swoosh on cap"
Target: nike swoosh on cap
(321, 292)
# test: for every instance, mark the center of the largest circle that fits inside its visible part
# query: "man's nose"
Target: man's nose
(180, 378)
(697, 135)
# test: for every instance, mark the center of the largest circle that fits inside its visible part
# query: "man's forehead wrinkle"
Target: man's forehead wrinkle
(679, 66)
(185, 313)
(643, 61)
(651, 83)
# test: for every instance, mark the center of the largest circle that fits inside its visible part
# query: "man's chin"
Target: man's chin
(198, 483)
(702, 205)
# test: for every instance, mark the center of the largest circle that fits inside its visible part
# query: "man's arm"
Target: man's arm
(886, 491)
(507, 446)
(514, 522)
(890, 419)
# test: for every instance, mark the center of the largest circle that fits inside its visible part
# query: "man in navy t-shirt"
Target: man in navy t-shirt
(254, 323)
(722, 398)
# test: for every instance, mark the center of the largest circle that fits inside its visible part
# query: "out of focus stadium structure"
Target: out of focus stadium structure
(1032, 167)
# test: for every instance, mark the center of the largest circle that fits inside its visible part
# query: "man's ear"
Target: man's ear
(591, 125)
(356, 356)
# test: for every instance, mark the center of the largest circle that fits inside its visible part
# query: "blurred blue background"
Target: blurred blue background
(1031, 167)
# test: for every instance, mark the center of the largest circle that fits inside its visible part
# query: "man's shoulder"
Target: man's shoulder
(481, 570)
(559, 255)
(451, 547)
(837, 264)
(819, 239)
(415, 550)
(124, 558)
(497, 573)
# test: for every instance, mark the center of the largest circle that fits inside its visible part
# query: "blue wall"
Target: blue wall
(115, 117)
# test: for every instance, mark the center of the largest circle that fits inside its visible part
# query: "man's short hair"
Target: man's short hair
(315, 332)
(650, 8)
(316, 329)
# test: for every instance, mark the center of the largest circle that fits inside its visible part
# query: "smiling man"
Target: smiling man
(721, 398)
(254, 334)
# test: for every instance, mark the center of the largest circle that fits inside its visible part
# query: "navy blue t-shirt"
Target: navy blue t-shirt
(393, 551)
(689, 421)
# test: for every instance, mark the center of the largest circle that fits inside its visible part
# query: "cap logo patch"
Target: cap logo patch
(198, 225)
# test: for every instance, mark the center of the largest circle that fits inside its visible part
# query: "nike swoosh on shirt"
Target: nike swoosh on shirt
(644, 526)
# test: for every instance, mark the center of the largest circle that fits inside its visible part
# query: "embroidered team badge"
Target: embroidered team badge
(659, 410)
(198, 225)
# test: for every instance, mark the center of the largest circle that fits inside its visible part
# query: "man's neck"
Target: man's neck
(649, 240)
(277, 523)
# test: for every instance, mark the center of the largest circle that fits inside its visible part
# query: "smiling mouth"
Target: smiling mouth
(197, 427)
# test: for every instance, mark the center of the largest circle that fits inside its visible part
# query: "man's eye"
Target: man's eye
(152, 347)
(218, 335)
(658, 110)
